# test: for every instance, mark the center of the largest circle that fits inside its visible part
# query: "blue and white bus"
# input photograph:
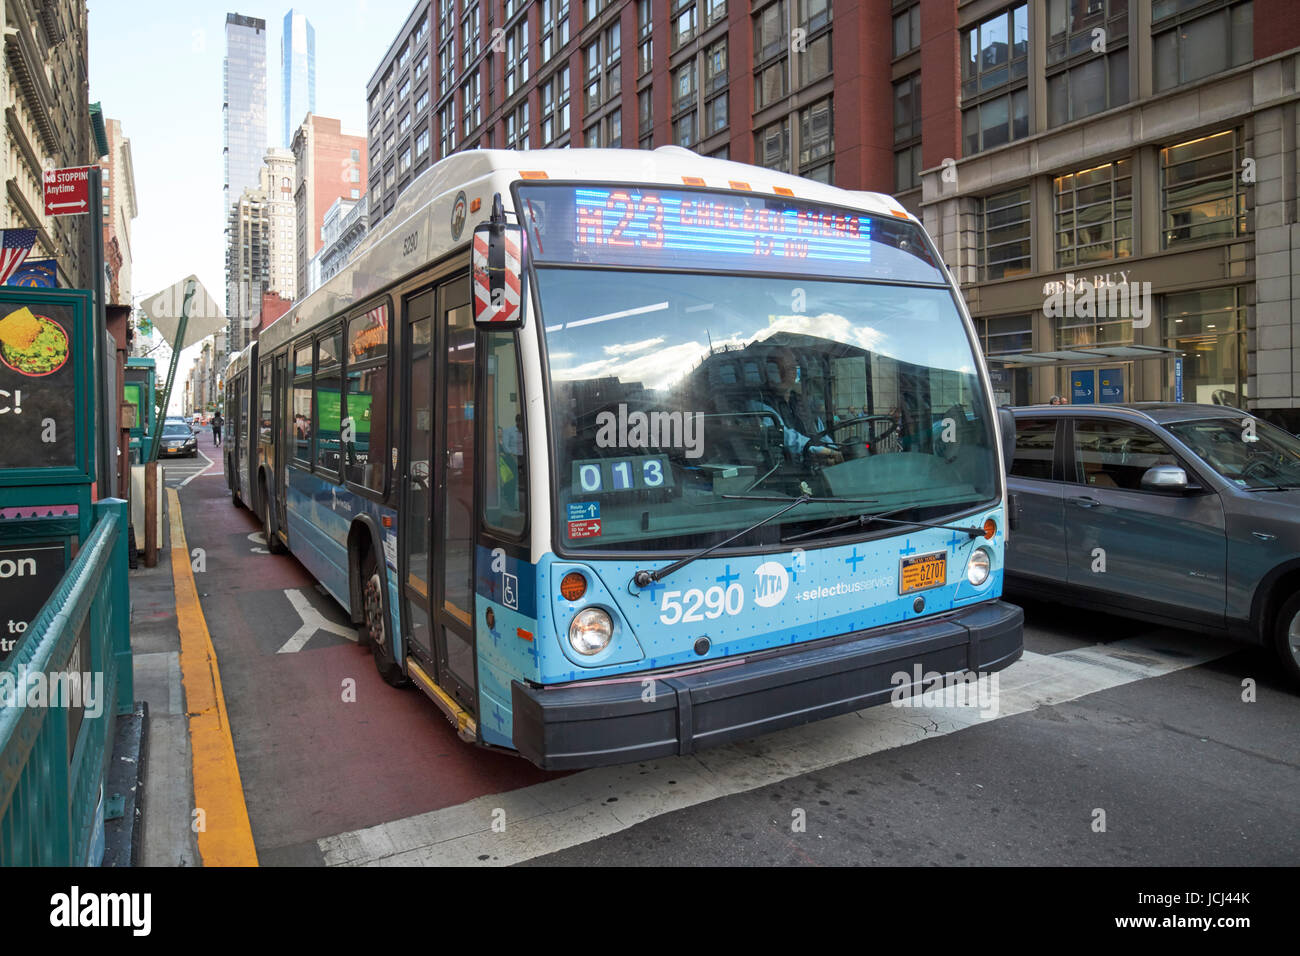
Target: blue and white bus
(620, 454)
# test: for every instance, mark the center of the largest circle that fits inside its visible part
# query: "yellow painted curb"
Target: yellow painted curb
(227, 837)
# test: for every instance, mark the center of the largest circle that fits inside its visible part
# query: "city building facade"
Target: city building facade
(248, 265)
(329, 164)
(346, 224)
(44, 92)
(297, 72)
(1134, 148)
(118, 210)
(245, 141)
(277, 183)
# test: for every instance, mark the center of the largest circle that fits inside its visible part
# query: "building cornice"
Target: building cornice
(20, 47)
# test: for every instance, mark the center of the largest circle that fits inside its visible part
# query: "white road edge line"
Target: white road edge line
(204, 470)
(558, 814)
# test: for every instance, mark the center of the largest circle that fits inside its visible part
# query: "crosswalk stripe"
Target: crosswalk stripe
(558, 814)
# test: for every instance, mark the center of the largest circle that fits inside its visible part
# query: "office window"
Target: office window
(1008, 335)
(404, 123)
(422, 66)
(602, 68)
(645, 110)
(715, 67)
(327, 396)
(592, 9)
(683, 24)
(404, 89)
(446, 130)
(995, 58)
(555, 106)
(907, 30)
(772, 146)
(517, 127)
(715, 114)
(1081, 82)
(771, 55)
(365, 444)
(1094, 214)
(645, 42)
(555, 27)
(714, 10)
(1209, 328)
(1202, 197)
(471, 103)
(446, 67)
(404, 161)
(1004, 234)
(907, 133)
(684, 86)
(421, 32)
(517, 57)
(684, 129)
(907, 168)
(470, 38)
(390, 175)
(421, 102)
(422, 142)
(1191, 40)
(817, 141)
(389, 107)
(813, 62)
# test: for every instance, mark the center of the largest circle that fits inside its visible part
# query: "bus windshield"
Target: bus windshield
(686, 407)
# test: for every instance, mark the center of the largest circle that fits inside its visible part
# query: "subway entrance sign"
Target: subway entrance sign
(67, 191)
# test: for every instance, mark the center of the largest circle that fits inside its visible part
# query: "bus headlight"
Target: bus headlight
(978, 567)
(590, 631)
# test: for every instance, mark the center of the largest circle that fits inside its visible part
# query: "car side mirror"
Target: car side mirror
(1165, 478)
(1007, 428)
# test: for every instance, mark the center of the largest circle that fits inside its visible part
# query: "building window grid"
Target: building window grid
(772, 145)
(684, 24)
(555, 94)
(995, 95)
(1081, 81)
(516, 57)
(1202, 196)
(907, 30)
(907, 133)
(1094, 214)
(1209, 327)
(817, 141)
(446, 130)
(1005, 232)
(447, 66)
(555, 28)
(645, 41)
(470, 36)
(517, 127)
(603, 75)
(472, 103)
(1193, 39)
(645, 111)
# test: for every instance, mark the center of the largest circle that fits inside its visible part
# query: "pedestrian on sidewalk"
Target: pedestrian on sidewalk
(217, 423)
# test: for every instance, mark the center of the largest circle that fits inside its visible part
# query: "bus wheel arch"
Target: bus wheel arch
(368, 604)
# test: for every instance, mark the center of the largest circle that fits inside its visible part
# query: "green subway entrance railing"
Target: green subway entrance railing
(56, 730)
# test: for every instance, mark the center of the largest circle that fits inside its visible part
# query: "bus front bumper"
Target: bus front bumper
(601, 723)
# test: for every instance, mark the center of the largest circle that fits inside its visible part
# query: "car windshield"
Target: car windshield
(176, 431)
(671, 392)
(1248, 452)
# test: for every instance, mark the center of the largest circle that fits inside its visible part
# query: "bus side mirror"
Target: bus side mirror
(498, 276)
(1007, 427)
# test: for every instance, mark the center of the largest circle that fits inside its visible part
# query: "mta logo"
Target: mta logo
(770, 584)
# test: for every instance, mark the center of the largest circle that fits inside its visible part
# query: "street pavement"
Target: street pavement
(1114, 743)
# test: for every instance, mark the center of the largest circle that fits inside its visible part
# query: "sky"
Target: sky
(157, 67)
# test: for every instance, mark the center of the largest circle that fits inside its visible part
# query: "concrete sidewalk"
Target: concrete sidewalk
(168, 802)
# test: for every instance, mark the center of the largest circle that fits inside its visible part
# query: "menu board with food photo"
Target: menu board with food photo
(41, 355)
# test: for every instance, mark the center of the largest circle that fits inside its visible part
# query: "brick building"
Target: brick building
(329, 164)
(1052, 142)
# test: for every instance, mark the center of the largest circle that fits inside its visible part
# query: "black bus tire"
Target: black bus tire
(273, 542)
(374, 623)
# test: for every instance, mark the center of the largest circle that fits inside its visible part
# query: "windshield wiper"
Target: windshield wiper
(862, 521)
(644, 578)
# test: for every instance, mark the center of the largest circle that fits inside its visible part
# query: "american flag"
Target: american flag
(14, 246)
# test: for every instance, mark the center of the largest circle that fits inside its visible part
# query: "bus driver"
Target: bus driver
(782, 395)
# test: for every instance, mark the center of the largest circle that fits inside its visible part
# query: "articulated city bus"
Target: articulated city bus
(619, 454)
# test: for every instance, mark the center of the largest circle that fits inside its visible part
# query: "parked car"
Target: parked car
(178, 439)
(1181, 514)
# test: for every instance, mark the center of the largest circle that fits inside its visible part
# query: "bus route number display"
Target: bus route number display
(611, 219)
(614, 475)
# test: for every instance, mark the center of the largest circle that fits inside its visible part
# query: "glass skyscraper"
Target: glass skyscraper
(244, 114)
(298, 72)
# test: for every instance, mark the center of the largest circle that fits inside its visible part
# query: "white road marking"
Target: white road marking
(203, 470)
(557, 814)
(312, 621)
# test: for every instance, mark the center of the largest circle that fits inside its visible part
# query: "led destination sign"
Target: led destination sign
(727, 231)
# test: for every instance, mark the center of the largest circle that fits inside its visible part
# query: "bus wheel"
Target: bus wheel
(375, 624)
(1287, 639)
(273, 542)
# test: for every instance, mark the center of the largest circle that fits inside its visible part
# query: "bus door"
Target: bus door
(436, 562)
(279, 442)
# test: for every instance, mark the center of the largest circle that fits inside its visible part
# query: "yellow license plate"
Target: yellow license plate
(922, 571)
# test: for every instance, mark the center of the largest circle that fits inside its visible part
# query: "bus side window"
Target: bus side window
(302, 428)
(329, 401)
(505, 480)
(367, 399)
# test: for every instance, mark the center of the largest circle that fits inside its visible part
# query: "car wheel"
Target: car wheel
(1287, 638)
(375, 623)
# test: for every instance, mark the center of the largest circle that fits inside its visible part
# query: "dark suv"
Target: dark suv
(1187, 515)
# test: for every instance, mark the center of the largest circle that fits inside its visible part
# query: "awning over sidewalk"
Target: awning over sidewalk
(1088, 356)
